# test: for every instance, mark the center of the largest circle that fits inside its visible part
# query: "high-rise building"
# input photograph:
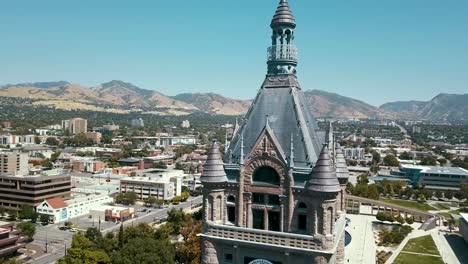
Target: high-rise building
(13, 163)
(78, 126)
(278, 195)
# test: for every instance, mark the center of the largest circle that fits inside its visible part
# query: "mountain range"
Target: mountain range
(121, 97)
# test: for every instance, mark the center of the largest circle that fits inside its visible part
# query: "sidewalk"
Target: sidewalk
(362, 247)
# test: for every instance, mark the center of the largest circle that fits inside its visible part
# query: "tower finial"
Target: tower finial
(282, 55)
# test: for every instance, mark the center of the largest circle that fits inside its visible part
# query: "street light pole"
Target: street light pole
(46, 240)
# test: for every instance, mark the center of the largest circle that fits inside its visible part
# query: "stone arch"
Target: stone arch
(253, 164)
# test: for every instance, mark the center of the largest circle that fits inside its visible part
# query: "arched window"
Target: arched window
(302, 205)
(266, 175)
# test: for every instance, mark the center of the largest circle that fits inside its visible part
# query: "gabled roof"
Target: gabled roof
(56, 202)
(281, 101)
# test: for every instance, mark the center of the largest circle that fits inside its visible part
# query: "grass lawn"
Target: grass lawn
(409, 204)
(441, 206)
(408, 258)
(424, 244)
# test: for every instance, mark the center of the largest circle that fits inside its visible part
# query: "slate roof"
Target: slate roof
(340, 163)
(281, 101)
(323, 176)
(283, 15)
(213, 170)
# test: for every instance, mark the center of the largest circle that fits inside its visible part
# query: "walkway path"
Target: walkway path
(362, 247)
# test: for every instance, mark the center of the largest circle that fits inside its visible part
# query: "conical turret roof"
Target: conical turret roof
(340, 163)
(283, 15)
(213, 170)
(323, 176)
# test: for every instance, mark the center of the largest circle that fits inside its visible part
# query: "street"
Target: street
(58, 240)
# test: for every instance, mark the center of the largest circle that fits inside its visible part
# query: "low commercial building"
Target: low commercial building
(85, 165)
(433, 177)
(9, 139)
(162, 184)
(60, 210)
(37, 151)
(112, 213)
(354, 153)
(10, 239)
(94, 136)
(32, 189)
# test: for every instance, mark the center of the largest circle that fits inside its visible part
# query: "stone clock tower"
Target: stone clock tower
(276, 196)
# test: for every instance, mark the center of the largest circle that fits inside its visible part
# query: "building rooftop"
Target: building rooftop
(437, 170)
(56, 202)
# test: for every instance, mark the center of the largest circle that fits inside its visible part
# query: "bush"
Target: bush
(409, 220)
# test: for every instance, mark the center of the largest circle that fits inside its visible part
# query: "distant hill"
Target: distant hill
(326, 104)
(121, 97)
(443, 108)
(214, 103)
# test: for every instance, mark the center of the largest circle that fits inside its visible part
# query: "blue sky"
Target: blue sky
(375, 51)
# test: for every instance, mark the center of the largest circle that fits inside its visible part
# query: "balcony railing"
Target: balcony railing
(282, 52)
(264, 237)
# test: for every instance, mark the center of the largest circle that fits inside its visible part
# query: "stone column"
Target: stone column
(209, 254)
(240, 200)
(282, 215)
(340, 250)
(265, 218)
(247, 214)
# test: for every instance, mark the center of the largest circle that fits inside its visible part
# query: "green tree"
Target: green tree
(145, 250)
(44, 219)
(27, 212)
(391, 160)
(429, 161)
(405, 156)
(27, 229)
(376, 158)
(47, 163)
(51, 141)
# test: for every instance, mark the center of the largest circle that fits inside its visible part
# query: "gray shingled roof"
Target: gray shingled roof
(283, 15)
(281, 101)
(323, 176)
(213, 170)
(340, 163)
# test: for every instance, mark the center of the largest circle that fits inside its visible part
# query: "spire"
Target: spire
(213, 170)
(340, 163)
(323, 176)
(291, 155)
(226, 142)
(282, 55)
(241, 158)
(283, 15)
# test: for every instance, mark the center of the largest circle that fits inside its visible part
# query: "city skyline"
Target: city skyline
(382, 52)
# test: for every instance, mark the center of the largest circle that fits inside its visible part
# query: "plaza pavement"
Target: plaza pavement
(362, 247)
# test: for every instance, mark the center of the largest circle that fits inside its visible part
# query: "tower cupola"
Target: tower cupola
(282, 55)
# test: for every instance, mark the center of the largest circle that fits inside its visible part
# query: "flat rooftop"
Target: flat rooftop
(438, 170)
